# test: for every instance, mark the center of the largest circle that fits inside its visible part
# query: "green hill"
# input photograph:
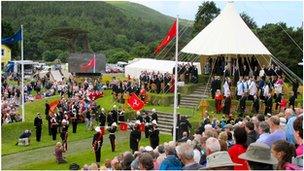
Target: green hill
(122, 30)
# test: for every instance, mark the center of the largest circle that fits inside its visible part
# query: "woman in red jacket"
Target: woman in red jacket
(218, 101)
(238, 148)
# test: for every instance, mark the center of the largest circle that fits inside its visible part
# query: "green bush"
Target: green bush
(161, 99)
(203, 78)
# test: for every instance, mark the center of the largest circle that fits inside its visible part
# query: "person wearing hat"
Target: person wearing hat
(139, 117)
(219, 161)
(154, 115)
(148, 124)
(64, 134)
(74, 120)
(54, 126)
(38, 125)
(112, 137)
(135, 136)
(259, 157)
(114, 113)
(121, 116)
(102, 117)
(97, 143)
(154, 135)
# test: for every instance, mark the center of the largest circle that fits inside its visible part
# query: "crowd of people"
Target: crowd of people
(257, 143)
(266, 88)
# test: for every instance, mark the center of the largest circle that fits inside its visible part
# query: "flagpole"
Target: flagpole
(175, 83)
(22, 77)
(94, 63)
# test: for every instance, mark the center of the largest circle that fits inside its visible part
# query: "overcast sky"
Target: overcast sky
(290, 12)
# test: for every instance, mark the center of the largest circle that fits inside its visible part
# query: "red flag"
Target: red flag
(170, 35)
(123, 126)
(89, 65)
(135, 103)
(53, 105)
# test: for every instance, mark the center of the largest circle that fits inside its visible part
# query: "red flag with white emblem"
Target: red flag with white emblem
(135, 103)
(170, 35)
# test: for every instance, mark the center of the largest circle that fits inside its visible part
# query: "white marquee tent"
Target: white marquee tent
(226, 34)
(145, 64)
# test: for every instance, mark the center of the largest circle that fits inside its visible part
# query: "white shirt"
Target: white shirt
(266, 90)
(197, 155)
(226, 89)
(262, 73)
(252, 88)
(240, 90)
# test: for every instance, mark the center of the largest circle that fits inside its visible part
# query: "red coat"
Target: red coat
(234, 153)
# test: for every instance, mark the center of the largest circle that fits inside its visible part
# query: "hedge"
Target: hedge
(188, 88)
(161, 99)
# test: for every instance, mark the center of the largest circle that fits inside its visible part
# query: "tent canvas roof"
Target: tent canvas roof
(226, 34)
(145, 64)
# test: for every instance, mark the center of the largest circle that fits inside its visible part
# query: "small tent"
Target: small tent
(145, 64)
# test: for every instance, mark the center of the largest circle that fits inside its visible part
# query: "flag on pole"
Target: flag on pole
(135, 103)
(14, 38)
(53, 105)
(170, 35)
(89, 65)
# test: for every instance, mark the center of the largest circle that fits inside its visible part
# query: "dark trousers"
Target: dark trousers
(49, 127)
(112, 140)
(97, 155)
(54, 133)
(38, 134)
(74, 124)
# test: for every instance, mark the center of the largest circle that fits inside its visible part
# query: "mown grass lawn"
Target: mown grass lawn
(88, 157)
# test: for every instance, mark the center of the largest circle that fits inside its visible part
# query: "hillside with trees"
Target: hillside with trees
(122, 31)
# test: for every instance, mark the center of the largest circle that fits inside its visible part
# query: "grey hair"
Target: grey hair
(264, 126)
(185, 150)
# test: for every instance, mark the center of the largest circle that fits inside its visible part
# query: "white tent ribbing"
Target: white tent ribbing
(226, 34)
(134, 69)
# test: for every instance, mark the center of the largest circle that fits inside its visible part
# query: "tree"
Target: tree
(121, 55)
(249, 21)
(205, 14)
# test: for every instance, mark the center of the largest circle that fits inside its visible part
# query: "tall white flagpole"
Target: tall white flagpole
(22, 77)
(94, 63)
(175, 84)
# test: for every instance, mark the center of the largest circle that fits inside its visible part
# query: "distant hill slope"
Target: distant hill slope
(140, 11)
(122, 30)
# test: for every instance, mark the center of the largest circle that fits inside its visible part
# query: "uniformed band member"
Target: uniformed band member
(110, 119)
(154, 115)
(54, 125)
(139, 117)
(121, 116)
(154, 135)
(148, 124)
(74, 120)
(97, 143)
(102, 117)
(135, 136)
(38, 125)
(114, 113)
(112, 137)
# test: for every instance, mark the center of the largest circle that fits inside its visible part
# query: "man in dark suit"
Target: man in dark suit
(227, 104)
(268, 104)
(154, 135)
(38, 125)
(102, 117)
(242, 105)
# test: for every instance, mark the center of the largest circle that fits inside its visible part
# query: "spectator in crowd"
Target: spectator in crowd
(186, 155)
(290, 117)
(127, 160)
(146, 162)
(252, 135)
(283, 152)
(220, 161)
(212, 145)
(276, 132)
(162, 154)
(298, 129)
(171, 162)
(258, 157)
(263, 131)
(240, 137)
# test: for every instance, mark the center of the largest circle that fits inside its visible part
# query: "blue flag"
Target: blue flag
(11, 40)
